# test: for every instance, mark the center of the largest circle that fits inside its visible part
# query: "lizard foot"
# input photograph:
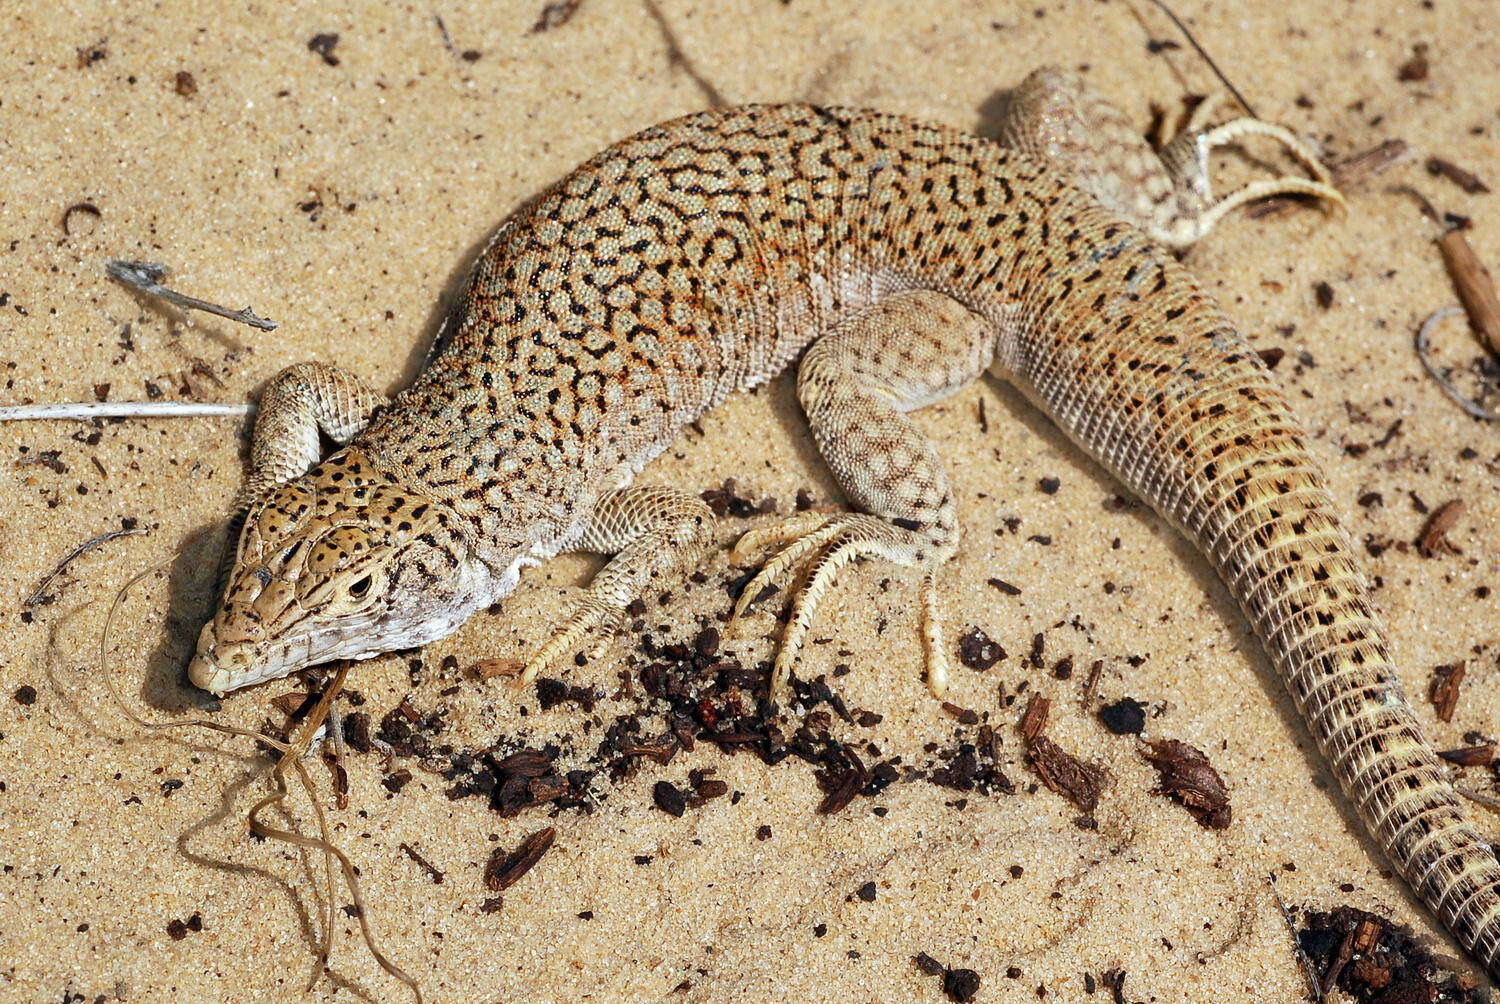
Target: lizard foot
(1186, 160)
(825, 544)
(595, 617)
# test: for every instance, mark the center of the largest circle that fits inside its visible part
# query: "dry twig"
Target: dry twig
(81, 549)
(1315, 988)
(122, 409)
(146, 276)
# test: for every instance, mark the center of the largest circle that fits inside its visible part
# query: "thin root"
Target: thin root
(291, 756)
(1423, 333)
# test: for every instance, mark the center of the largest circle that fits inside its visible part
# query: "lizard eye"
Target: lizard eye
(359, 588)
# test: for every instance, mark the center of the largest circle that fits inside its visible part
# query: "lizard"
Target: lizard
(893, 262)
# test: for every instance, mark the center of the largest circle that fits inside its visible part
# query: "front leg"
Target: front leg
(300, 402)
(655, 534)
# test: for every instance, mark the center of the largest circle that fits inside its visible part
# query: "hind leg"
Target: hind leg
(1053, 116)
(856, 385)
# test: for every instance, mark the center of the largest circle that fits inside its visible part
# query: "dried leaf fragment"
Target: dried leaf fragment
(1078, 782)
(1187, 776)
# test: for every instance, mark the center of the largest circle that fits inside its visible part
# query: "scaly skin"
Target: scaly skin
(701, 257)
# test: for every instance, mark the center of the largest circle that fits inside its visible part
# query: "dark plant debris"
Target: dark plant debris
(433, 872)
(179, 929)
(977, 651)
(1378, 962)
(1446, 681)
(1467, 180)
(1125, 717)
(505, 869)
(1063, 773)
(726, 501)
(1434, 538)
(555, 15)
(1188, 777)
(960, 985)
(74, 217)
(323, 44)
(128, 527)
(1323, 293)
(1416, 67)
(1471, 756)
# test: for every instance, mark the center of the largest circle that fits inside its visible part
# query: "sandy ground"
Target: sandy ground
(344, 200)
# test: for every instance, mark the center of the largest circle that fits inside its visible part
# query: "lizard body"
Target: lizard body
(900, 261)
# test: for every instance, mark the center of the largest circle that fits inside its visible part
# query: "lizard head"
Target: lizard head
(336, 565)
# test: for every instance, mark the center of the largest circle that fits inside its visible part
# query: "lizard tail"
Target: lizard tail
(1153, 381)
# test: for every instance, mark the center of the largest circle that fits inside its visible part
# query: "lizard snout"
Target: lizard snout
(220, 668)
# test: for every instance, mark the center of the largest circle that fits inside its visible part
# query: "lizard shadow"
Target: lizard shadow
(1187, 557)
(191, 584)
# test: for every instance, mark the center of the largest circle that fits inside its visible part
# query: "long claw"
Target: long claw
(777, 533)
(818, 580)
(592, 615)
(774, 573)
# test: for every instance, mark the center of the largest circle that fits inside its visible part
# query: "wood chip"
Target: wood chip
(1034, 718)
(1446, 681)
(488, 669)
(1435, 534)
(505, 870)
(1475, 287)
